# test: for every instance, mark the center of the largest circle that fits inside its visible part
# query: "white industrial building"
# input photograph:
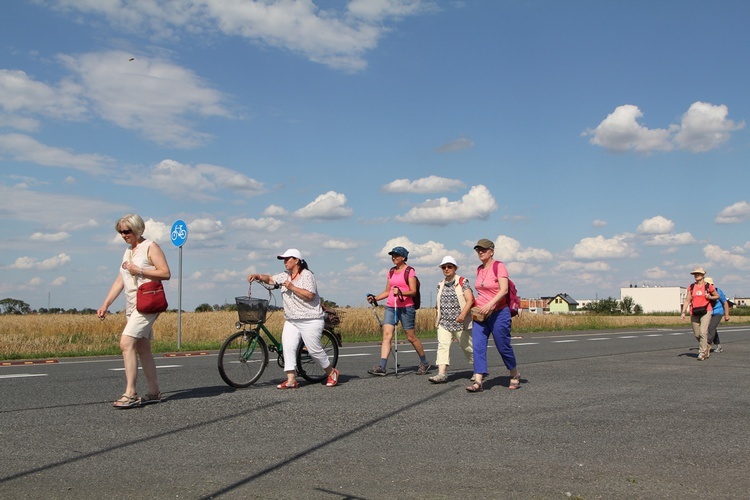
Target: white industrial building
(656, 298)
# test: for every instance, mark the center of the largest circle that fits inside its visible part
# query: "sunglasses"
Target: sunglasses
(448, 266)
(125, 231)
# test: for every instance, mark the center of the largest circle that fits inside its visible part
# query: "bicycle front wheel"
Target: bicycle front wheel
(308, 368)
(242, 358)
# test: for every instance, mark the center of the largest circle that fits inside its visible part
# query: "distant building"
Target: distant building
(562, 302)
(656, 298)
(583, 303)
(740, 301)
(535, 306)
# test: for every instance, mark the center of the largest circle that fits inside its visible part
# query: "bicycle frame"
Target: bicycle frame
(275, 345)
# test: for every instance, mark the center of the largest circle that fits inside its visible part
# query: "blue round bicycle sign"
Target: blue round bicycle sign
(179, 233)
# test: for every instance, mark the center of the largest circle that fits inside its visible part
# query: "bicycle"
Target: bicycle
(244, 355)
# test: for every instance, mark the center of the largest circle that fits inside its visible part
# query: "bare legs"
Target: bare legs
(132, 349)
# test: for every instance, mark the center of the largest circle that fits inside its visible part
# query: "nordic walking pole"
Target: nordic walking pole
(374, 304)
(399, 296)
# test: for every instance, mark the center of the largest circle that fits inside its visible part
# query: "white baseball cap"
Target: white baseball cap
(448, 260)
(292, 252)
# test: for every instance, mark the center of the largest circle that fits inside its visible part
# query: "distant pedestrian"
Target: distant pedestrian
(400, 291)
(720, 309)
(698, 301)
(492, 304)
(142, 262)
(454, 302)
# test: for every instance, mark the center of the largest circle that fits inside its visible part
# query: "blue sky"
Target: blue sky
(598, 144)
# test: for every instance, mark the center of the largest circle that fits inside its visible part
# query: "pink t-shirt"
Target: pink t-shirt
(700, 296)
(397, 279)
(487, 285)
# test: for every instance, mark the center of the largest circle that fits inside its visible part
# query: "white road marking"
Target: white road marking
(21, 375)
(601, 338)
(140, 368)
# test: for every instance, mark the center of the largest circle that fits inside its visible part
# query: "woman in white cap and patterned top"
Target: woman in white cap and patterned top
(303, 314)
(454, 302)
(698, 299)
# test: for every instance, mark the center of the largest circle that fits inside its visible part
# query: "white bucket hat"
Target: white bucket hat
(448, 260)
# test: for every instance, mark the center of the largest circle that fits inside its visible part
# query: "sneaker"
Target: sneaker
(701, 357)
(333, 378)
(719, 348)
(440, 378)
(423, 368)
(377, 370)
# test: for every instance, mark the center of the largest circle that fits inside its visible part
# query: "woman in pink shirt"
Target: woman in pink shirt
(492, 303)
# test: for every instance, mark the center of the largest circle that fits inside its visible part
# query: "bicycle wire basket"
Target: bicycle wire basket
(251, 310)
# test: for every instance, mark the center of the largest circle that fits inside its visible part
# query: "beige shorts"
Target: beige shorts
(140, 326)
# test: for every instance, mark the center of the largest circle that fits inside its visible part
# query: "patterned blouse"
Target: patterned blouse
(450, 308)
(295, 307)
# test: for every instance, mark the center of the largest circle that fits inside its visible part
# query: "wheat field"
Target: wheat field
(57, 335)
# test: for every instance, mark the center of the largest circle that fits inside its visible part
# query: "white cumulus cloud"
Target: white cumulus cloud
(720, 257)
(20, 147)
(430, 184)
(478, 203)
(50, 237)
(200, 183)
(705, 127)
(656, 225)
(335, 37)
(599, 247)
(671, 239)
(328, 206)
(734, 214)
(620, 131)
(32, 263)
(154, 97)
(508, 249)
(268, 224)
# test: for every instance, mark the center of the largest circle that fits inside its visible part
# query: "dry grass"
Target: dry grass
(39, 336)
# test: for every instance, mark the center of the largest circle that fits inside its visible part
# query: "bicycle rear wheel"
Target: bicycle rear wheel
(242, 358)
(308, 368)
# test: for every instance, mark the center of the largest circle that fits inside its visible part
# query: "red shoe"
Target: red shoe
(333, 378)
(285, 385)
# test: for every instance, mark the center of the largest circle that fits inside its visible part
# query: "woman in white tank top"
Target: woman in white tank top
(144, 261)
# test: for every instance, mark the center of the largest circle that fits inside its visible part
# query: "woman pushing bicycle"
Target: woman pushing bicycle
(303, 315)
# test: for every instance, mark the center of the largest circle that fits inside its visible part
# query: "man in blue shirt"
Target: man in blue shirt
(720, 308)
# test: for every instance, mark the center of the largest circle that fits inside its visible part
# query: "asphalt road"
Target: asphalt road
(599, 415)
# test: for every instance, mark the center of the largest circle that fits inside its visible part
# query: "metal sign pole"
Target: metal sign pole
(179, 305)
(179, 236)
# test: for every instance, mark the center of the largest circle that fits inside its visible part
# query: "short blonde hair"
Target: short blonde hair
(134, 222)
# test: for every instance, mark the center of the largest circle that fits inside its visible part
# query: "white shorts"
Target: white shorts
(140, 326)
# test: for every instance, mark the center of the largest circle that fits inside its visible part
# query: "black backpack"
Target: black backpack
(418, 297)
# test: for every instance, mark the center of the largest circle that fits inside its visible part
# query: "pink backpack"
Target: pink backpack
(514, 303)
